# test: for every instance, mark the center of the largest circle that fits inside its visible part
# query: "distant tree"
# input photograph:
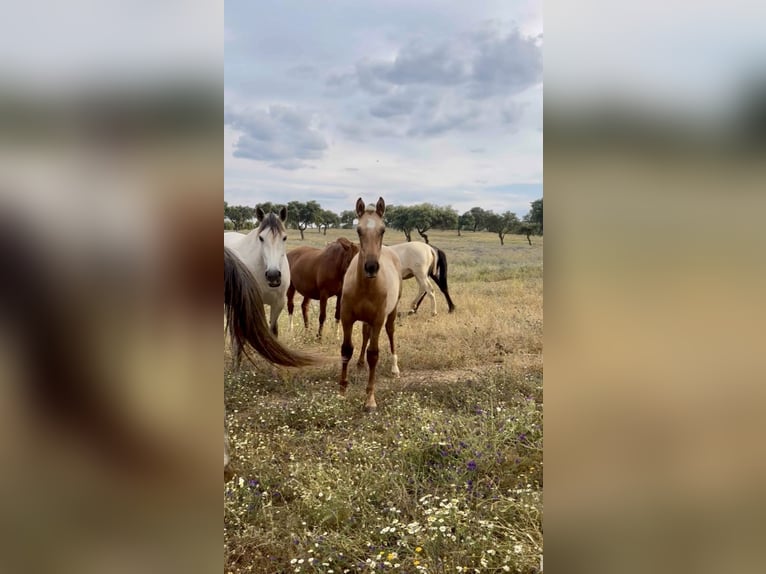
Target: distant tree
(347, 218)
(269, 207)
(528, 229)
(327, 219)
(401, 218)
(501, 224)
(535, 215)
(427, 216)
(479, 218)
(239, 215)
(465, 221)
(301, 215)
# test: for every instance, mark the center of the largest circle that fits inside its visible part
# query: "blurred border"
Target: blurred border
(654, 169)
(110, 170)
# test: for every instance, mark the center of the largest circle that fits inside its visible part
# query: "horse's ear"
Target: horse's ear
(283, 213)
(380, 207)
(259, 215)
(359, 207)
(345, 243)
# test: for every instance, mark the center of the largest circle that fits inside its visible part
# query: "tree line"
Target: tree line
(405, 218)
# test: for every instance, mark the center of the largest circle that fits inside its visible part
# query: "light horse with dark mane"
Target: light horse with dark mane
(263, 251)
(246, 323)
(371, 290)
(318, 274)
(421, 261)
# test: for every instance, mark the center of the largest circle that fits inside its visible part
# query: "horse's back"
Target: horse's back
(232, 238)
(413, 256)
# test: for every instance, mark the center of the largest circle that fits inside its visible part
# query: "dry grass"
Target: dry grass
(446, 477)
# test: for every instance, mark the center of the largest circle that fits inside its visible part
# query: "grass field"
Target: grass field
(447, 476)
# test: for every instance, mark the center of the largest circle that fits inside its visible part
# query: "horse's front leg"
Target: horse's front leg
(346, 352)
(365, 341)
(322, 312)
(276, 309)
(372, 361)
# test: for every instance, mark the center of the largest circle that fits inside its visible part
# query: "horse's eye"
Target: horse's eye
(261, 238)
(284, 238)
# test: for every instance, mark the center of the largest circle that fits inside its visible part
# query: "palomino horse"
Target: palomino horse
(422, 261)
(246, 322)
(263, 252)
(318, 274)
(371, 290)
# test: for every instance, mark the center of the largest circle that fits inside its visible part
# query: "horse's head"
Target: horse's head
(349, 250)
(272, 238)
(370, 230)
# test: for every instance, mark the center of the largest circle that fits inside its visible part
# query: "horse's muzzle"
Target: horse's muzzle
(274, 277)
(371, 269)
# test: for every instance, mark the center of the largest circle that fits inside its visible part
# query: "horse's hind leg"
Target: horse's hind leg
(390, 324)
(337, 315)
(236, 351)
(425, 289)
(365, 340)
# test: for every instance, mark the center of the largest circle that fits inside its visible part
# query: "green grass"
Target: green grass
(446, 477)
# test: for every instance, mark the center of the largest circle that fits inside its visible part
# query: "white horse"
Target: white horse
(263, 252)
(420, 260)
(246, 323)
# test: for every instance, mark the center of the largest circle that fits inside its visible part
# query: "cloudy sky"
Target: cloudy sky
(412, 100)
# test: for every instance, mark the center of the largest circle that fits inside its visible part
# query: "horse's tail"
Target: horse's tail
(246, 319)
(438, 273)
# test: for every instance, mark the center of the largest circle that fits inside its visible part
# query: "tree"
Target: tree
(465, 221)
(347, 218)
(401, 218)
(269, 207)
(326, 219)
(535, 215)
(526, 228)
(300, 215)
(427, 216)
(501, 224)
(479, 218)
(239, 215)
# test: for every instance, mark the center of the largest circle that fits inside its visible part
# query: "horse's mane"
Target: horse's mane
(272, 222)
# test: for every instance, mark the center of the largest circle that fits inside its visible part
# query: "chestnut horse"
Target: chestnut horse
(371, 291)
(246, 323)
(318, 274)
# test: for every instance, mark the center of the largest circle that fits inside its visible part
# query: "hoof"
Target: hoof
(361, 365)
(370, 409)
